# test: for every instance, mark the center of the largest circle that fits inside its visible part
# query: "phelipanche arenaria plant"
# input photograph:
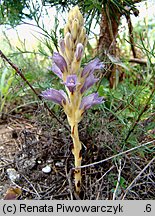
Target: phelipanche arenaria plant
(67, 66)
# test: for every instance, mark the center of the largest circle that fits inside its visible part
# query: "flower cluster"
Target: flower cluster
(66, 65)
(74, 82)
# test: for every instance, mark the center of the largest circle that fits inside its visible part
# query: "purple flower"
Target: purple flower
(56, 70)
(62, 45)
(79, 51)
(59, 61)
(71, 82)
(90, 100)
(89, 81)
(95, 64)
(57, 96)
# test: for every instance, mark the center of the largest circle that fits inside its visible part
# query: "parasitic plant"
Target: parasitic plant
(67, 66)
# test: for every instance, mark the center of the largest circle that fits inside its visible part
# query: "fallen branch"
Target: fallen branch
(117, 155)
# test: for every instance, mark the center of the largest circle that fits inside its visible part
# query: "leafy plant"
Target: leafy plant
(6, 79)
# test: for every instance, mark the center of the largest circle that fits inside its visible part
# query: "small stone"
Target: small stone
(50, 161)
(12, 174)
(59, 164)
(46, 169)
(39, 161)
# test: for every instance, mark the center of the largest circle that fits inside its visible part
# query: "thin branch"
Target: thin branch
(100, 185)
(137, 177)
(112, 167)
(117, 155)
(118, 179)
(23, 189)
(32, 186)
(19, 72)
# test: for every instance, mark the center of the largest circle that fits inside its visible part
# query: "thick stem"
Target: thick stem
(77, 155)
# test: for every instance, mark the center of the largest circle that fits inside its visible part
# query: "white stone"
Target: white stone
(59, 164)
(46, 169)
(39, 161)
(12, 174)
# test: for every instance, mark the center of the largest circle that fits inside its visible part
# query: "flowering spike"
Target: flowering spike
(67, 66)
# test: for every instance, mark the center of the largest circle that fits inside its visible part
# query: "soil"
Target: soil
(28, 143)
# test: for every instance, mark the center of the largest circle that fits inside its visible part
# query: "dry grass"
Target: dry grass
(28, 145)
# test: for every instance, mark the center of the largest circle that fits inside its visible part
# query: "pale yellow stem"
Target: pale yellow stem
(77, 155)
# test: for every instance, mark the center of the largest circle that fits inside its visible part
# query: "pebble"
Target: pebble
(50, 161)
(59, 164)
(12, 174)
(46, 169)
(39, 161)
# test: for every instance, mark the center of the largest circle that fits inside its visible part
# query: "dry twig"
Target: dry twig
(137, 177)
(118, 180)
(117, 155)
